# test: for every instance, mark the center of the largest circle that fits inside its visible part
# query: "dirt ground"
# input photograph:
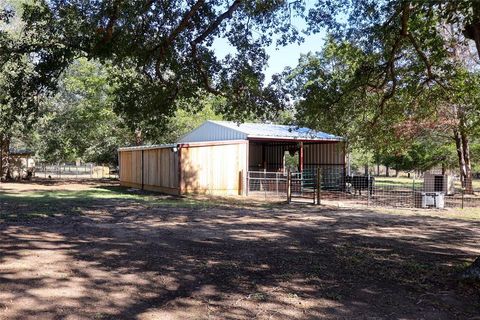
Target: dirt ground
(121, 258)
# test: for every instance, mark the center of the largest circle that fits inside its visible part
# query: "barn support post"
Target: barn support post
(264, 161)
(300, 162)
(142, 171)
(240, 183)
(179, 168)
(119, 168)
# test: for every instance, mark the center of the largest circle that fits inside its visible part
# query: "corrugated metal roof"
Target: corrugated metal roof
(14, 151)
(147, 147)
(212, 131)
(226, 130)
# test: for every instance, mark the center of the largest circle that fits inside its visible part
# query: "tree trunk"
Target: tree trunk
(468, 166)
(387, 171)
(460, 155)
(138, 137)
(4, 158)
(472, 31)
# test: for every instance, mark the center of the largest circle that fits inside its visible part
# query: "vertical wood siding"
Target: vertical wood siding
(324, 154)
(255, 156)
(214, 169)
(160, 169)
(131, 167)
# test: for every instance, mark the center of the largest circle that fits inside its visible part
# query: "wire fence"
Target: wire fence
(85, 171)
(266, 183)
(321, 186)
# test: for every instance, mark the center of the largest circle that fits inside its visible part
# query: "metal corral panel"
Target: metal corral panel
(324, 154)
(211, 131)
(217, 169)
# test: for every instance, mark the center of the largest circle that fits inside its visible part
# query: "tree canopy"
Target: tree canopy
(163, 50)
(391, 73)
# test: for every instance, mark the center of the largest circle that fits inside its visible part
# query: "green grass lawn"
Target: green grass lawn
(49, 203)
(399, 181)
(408, 182)
(19, 205)
(27, 205)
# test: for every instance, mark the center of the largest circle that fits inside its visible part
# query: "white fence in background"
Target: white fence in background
(86, 171)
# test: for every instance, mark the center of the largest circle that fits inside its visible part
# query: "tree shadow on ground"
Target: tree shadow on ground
(124, 259)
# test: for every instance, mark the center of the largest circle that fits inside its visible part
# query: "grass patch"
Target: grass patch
(467, 214)
(34, 204)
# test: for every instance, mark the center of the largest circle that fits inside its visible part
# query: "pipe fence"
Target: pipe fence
(84, 171)
(318, 186)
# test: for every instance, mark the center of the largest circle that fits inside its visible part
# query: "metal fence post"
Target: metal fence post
(413, 191)
(289, 186)
(319, 185)
(265, 184)
(368, 189)
(276, 181)
(247, 182)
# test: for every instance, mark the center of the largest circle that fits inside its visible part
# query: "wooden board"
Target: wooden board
(324, 154)
(213, 169)
(159, 167)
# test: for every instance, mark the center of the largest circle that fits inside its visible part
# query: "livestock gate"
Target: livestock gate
(316, 163)
(328, 186)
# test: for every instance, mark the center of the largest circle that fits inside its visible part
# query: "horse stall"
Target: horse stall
(215, 168)
(225, 158)
(153, 168)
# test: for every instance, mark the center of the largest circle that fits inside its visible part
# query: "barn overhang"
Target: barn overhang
(269, 153)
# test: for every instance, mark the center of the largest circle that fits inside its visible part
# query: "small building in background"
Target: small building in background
(438, 182)
(21, 164)
(216, 157)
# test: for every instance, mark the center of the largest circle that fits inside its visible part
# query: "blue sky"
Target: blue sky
(281, 57)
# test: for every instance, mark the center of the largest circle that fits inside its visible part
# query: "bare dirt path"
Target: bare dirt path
(114, 258)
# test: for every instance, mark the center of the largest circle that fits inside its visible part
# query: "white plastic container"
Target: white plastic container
(433, 199)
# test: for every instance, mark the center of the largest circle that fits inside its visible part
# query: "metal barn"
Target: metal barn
(224, 158)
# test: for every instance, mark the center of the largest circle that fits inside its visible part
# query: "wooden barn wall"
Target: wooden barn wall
(160, 170)
(213, 169)
(274, 154)
(130, 167)
(324, 154)
(255, 157)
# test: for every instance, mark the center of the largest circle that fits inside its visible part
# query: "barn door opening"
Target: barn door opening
(291, 161)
